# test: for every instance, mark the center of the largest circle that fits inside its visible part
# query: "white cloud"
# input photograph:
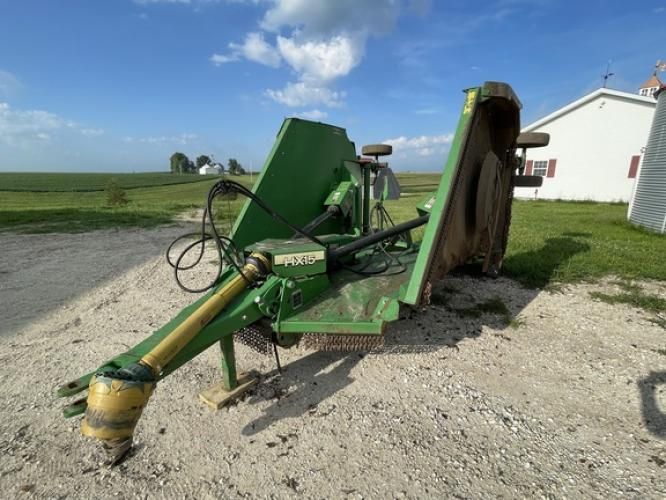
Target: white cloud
(301, 94)
(92, 132)
(254, 48)
(313, 114)
(424, 145)
(181, 139)
(322, 60)
(324, 41)
(18, 126)
(218, 59)
(327, 17)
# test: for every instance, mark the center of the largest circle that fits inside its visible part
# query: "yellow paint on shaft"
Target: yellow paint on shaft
(164, 352)
(115, 405)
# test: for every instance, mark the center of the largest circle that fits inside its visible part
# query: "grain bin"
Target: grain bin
(648, 206)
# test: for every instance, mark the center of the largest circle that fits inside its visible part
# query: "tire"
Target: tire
(527, 181)
(532, 140)
(377, 149)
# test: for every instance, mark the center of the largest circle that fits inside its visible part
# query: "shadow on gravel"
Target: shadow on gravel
(303, 385)
(473, 300)
(654, 417)
(466, 293)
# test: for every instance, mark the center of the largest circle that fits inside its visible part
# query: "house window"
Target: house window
(540, 168)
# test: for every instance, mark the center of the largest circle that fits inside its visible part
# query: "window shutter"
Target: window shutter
(551, 168)
(633, 166)
(528, 167)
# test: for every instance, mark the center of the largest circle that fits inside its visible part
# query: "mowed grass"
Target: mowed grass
(37, 212)
(63, 182)
(550, 242)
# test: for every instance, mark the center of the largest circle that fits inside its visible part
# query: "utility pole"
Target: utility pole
(608, 74)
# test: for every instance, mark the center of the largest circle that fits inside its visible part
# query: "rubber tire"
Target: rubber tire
(377, 149)
(527, 181)
(532, 140)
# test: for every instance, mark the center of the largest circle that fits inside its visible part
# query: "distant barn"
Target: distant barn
(210, 170)
(596, 146)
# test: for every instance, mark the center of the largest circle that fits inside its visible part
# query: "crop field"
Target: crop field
(84, 182)
(549, 241)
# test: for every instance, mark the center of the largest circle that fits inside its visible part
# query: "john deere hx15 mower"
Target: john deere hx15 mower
(314, 257)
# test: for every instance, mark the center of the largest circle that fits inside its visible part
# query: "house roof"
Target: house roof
(584, 100)
(653, 81)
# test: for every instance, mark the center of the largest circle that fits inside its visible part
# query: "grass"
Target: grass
(550, 242)
(85, 182)
(37, 212)
(634, 296)
(638, 299)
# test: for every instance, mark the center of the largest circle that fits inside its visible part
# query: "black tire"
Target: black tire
(532, 140)
(527, 181)
(377, 149)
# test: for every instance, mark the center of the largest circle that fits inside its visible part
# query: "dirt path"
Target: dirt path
(568, 401)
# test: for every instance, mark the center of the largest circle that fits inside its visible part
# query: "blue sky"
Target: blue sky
(119, 85)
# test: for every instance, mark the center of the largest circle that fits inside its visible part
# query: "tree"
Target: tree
(203, 160)
(181, 164)
(235, 168)
(115, 195)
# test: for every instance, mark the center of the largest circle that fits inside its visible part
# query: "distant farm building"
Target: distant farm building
(210, 170)
(595, 150)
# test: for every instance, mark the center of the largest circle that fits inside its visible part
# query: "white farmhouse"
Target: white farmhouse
(210, 170)
(595, 149)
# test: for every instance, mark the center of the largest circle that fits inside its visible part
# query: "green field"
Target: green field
(549, 242)
(55, 182)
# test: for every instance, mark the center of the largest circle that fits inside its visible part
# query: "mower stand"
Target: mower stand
(231, 386)
(217, 395)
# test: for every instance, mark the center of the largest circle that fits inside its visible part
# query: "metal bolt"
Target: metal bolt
(290, 284)
(257, 300)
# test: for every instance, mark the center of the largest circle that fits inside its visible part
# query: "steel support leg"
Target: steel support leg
(228, 363)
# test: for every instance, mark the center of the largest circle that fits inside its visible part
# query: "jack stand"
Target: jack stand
(232, 386)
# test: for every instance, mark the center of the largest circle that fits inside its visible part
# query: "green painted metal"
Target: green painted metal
(228, 363)
(298, 294)
(304, 166)
(241, 312)
(310, 167)
(353, 304)
(417, 282)
(366, 199)
(426, 204)
(342, 197)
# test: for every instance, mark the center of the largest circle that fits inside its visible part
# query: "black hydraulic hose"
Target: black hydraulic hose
(373, 238)
(332, 211)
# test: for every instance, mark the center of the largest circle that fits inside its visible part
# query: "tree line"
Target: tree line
(181, 164)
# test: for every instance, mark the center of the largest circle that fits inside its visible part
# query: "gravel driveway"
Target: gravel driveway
(568, 400)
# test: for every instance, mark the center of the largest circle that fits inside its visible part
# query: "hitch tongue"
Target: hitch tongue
(116, 398)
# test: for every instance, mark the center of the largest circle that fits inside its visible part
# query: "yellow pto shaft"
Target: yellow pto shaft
(116, 400)
(164, 352)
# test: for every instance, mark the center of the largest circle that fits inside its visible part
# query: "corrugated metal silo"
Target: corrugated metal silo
(648, 208)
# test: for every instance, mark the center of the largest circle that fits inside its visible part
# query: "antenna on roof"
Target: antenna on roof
(608, 74)
(660, 66)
